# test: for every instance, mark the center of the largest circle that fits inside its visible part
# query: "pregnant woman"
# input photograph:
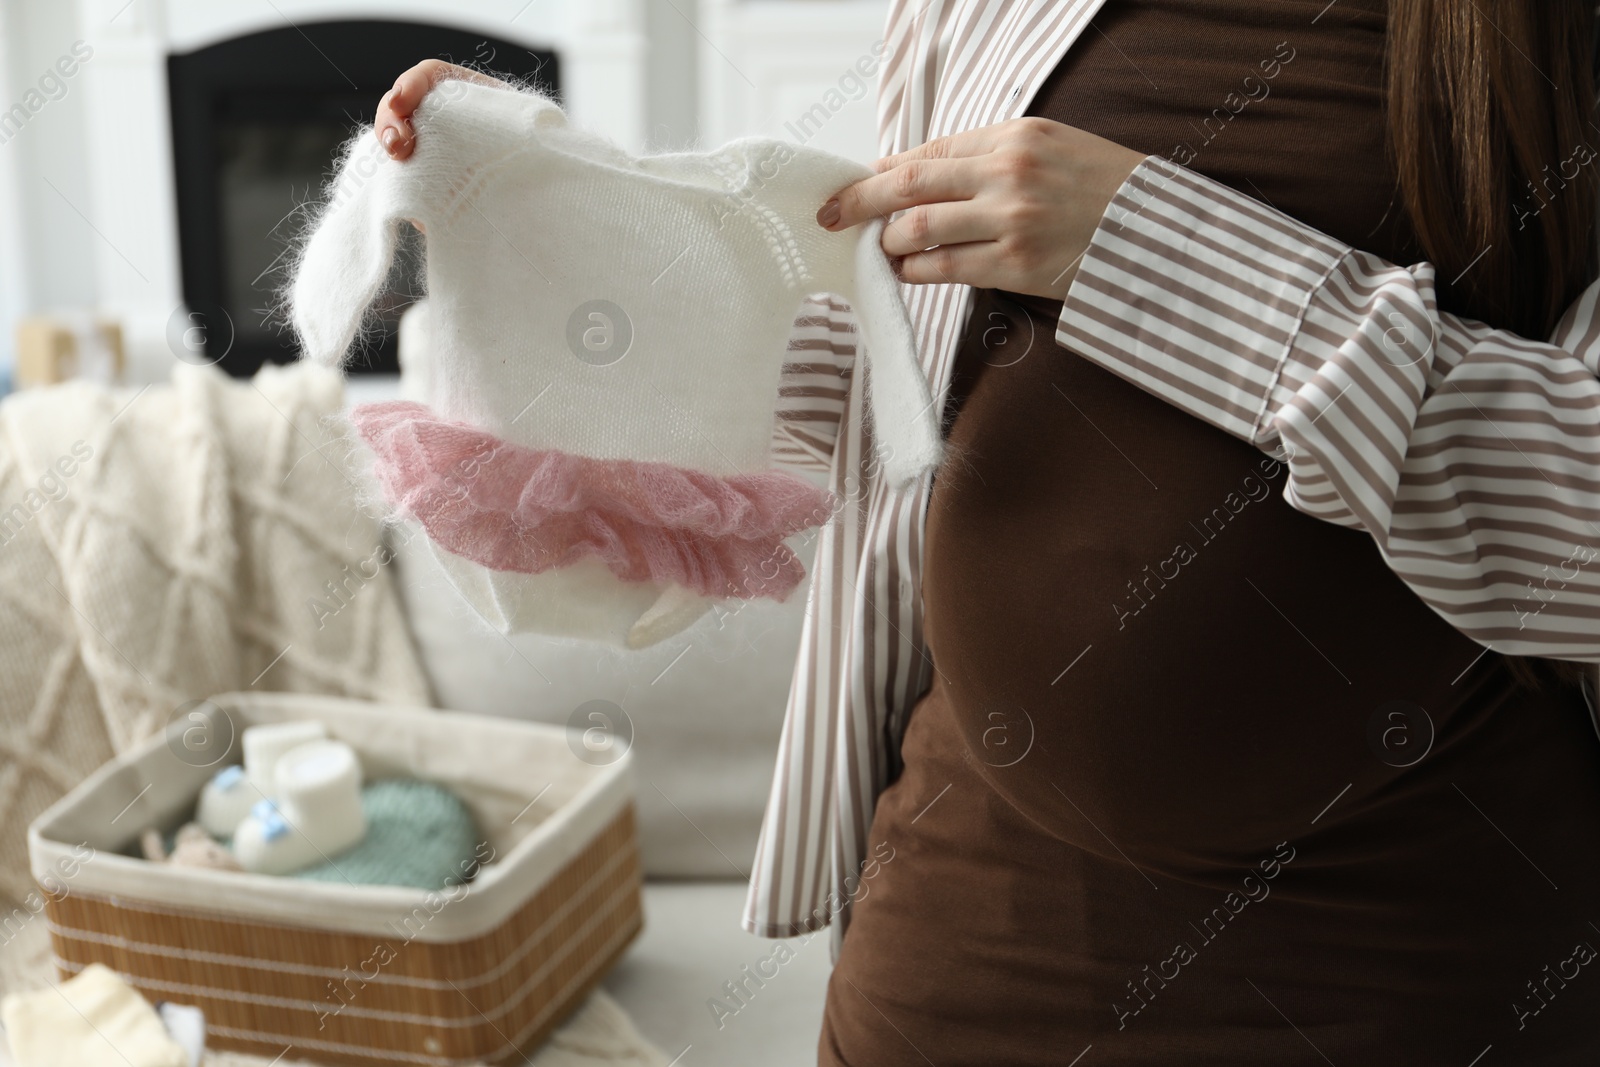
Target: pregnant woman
(1219, 701)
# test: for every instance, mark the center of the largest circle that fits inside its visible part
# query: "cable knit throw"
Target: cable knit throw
(606, 337)
(162, 545)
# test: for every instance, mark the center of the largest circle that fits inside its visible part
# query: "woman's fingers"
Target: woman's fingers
(978, 263)
(391, 129)
(393, 125)
(1011, 206)
(926, 225)
(919, 181)
(966, 143)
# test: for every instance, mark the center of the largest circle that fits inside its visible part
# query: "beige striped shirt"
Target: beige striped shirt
(1472, 456)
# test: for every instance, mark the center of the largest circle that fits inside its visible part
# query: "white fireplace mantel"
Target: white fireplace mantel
(601, 43)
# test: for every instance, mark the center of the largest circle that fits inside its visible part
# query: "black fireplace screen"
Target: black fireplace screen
(257, 122)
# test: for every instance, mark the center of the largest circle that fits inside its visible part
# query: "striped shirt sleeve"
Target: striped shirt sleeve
(1471, 455)
(815, 385)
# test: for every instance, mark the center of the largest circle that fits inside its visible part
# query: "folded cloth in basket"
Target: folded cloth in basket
(614, 328)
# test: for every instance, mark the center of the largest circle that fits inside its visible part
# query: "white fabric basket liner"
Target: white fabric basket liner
(536, 803)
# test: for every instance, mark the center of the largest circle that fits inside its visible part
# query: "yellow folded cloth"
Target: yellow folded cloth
(93, 1020)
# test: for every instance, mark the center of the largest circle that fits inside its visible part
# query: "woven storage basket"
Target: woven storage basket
(350, 974)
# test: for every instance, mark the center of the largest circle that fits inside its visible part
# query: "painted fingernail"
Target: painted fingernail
(828, 217)
(389, 138)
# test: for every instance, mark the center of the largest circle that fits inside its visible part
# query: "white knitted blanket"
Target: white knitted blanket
(162, 545)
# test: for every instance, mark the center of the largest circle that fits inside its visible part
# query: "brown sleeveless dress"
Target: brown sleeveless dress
(1199, 781)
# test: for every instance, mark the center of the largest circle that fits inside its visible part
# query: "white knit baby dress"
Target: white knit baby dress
(605, 336)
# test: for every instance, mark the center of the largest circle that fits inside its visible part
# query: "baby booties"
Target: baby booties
(605, 336)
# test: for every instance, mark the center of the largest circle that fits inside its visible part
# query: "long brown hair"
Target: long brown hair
(1491, 121)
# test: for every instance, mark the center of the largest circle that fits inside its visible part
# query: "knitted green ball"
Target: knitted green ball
(418, 835)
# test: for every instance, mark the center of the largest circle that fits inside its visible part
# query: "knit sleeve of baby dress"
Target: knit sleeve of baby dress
(344, 264)
(787, 184)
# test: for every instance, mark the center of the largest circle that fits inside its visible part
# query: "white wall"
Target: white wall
(46, 247)
(12, 293)
(766, 64)
(673, 57)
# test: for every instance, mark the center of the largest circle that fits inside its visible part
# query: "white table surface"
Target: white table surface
(692, 943)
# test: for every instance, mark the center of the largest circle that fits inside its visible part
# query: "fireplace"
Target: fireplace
(257, 121)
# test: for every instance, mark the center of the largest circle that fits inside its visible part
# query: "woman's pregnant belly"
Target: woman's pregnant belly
(1122, 585)
(1194, 763)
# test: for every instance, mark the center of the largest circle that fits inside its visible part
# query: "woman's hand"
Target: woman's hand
(1010, 206)
(393, 125)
